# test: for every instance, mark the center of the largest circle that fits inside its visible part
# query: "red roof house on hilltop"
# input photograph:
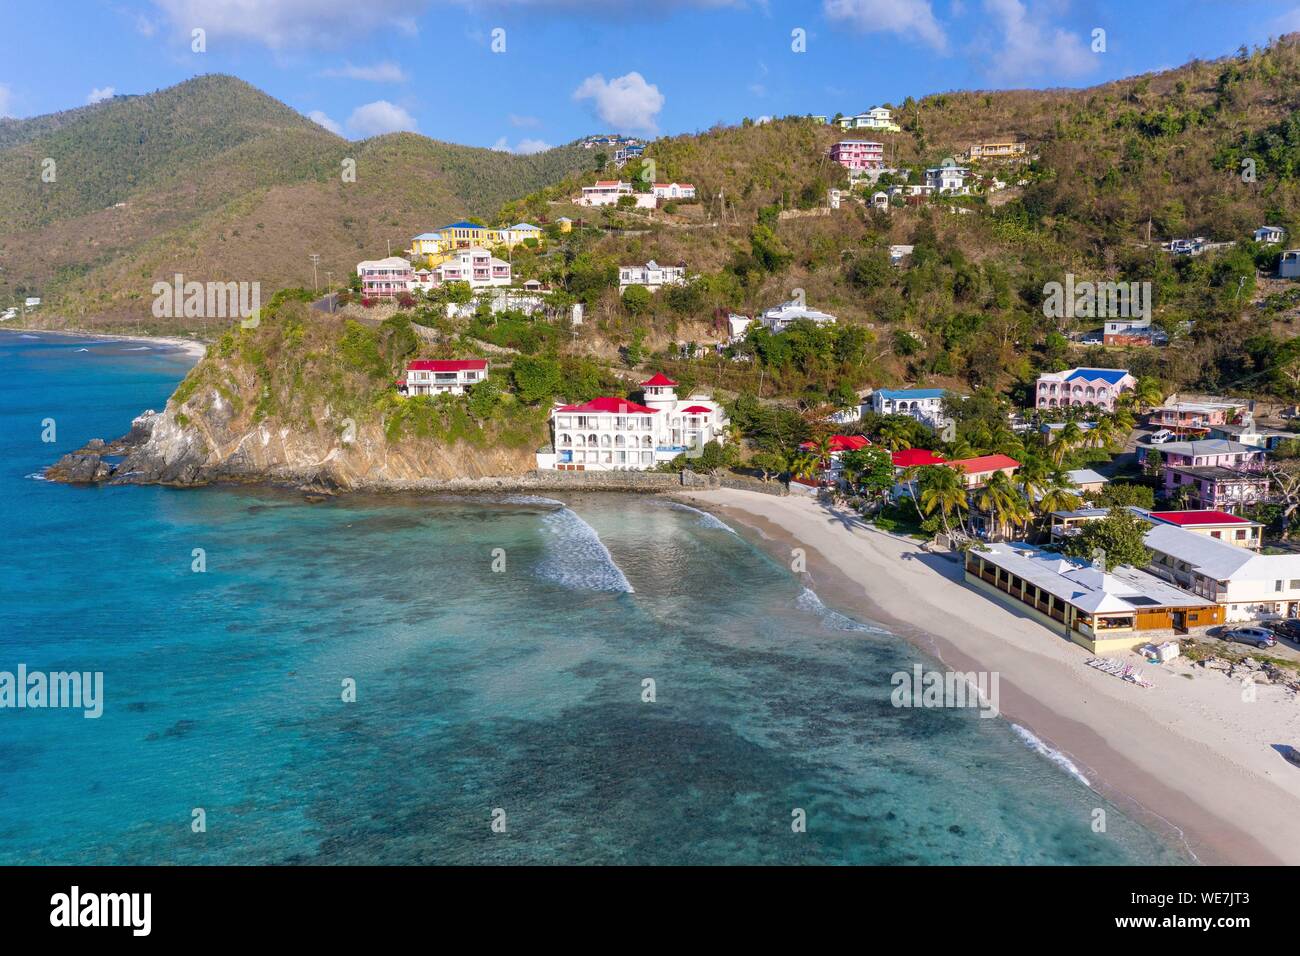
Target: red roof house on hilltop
(442, 376)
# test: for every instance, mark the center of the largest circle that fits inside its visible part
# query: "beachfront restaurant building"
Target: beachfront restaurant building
(1103, 611)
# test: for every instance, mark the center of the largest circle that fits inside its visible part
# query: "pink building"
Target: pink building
(1099, 387)
(385, 278)
(1213, 486)
(1206, 453)
(476, 266)
(858, 155)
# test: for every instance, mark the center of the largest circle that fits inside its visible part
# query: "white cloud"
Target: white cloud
(6, 101)
(525, 147)
(627, 103)
(386, 72)
(287, 24)
(379, 117)
(320, 119)
(1028, 46)
(524, 122)
(913, 19)
(99, 94)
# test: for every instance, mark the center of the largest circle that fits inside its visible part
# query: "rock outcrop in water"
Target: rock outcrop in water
(308, 400)
(217, 447)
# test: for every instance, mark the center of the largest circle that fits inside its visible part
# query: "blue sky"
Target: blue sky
(572, 67)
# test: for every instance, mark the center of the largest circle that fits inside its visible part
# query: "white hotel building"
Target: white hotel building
(617, 434)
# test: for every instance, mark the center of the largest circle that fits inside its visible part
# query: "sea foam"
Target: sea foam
(706, 520)
(1058, 758)
(576, 557)
(809, 601)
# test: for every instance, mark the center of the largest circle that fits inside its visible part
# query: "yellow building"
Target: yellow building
(565, 224)
(466, 235)
(430, 246)
(513, 235)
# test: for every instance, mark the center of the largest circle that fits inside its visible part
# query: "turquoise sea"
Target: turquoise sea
(477, 689)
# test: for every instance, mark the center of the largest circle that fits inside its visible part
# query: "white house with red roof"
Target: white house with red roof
(975, 472)
(1231, 529)
(442, 376)
(618, 434)
(837, 445)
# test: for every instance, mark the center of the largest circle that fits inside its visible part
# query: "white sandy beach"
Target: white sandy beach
(1187, 756)
(192, 347)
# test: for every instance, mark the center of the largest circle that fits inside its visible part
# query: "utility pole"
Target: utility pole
(315, 261)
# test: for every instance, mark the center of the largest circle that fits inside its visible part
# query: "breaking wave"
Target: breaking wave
(576, 557)
(707, 520)
(809, 601)
(1058, 758)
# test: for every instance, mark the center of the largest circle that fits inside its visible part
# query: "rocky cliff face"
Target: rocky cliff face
(206, 440)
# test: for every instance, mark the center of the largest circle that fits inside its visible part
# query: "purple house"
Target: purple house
(1221, 489)
(1207, 453)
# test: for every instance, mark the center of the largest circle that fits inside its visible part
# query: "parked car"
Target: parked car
(1160, 437)
(1286, 627)
(1259, 636)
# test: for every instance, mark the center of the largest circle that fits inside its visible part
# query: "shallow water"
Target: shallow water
(519, 689)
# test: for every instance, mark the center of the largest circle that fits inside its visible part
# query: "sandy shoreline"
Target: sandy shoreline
(1187, 757)
(191, 347)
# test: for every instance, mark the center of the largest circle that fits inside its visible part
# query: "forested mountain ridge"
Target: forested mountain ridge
(217, 180)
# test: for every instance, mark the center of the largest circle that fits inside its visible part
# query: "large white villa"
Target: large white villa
(617, 434)
(476, 266)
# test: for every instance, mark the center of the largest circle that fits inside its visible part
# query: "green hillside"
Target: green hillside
(217, 180)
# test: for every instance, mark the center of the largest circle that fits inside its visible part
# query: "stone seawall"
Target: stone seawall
(650, 482)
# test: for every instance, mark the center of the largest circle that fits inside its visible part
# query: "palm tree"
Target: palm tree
(942, 488)
(1000, 500)
(1069, 438)
(1105, 432)
(1035, 476)
(1124, 420)
(908, 477)
(806, 466)
(894, 434)
(1148, 393)
(1059, 494)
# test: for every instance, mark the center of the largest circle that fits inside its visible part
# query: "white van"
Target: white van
(1160, 437)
